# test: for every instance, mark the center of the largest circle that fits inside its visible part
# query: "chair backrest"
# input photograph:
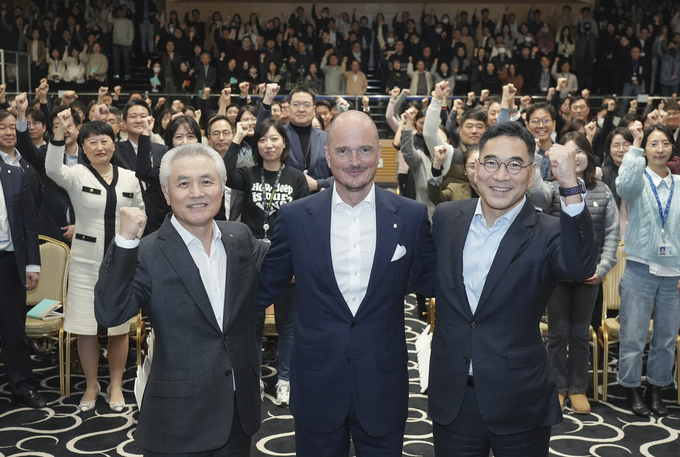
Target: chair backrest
(610, 285)
(54, 262)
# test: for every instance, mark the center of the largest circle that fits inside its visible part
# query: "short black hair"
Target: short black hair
(95, 128)
(37, 115)
(301, 89)
(261, 130)
(325, 103)
(219, 117)
(475, 114)
(512, 130)
(246, 109)
(4, 114)
(544, 106)
(135, 102)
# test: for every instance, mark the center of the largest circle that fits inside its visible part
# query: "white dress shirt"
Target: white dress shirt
(481, 246)
(353, 241)
(212, 268)
(655, 268)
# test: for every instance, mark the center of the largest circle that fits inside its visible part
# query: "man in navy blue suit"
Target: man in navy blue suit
(19, 272)
(498, 262)
(353, 249)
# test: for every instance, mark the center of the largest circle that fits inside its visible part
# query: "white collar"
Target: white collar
(510, 216)
(337, 200)
(188, 237)
(8, 158)
(656, 179)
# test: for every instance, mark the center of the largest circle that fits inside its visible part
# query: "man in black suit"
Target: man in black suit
(498, 262)
(197, 280)
(125, 156)
(56, 217)
(19, 272)
(205, 74)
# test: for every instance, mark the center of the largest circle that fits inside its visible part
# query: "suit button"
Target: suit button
(354, 324)
(473, 324)
(225, 337)
(466, 360)
(227, 373)
(349, 359)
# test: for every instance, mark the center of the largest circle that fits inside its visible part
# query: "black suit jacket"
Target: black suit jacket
(56, 202)
(189, 399)
(204, 79)
(21, 217)
(154, 201)
(515, 388)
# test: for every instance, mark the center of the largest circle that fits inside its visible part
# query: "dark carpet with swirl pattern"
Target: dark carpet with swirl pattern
(60, 430)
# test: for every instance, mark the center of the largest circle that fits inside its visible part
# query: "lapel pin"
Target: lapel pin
(231, 236)
(395, 225)
(9, 171)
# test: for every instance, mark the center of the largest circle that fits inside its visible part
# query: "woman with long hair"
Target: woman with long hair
(267, 186)
(97, 191)
(651, 280)
(566, 45)
(571, 305)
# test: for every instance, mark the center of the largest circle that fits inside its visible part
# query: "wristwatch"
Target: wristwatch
(580, 189)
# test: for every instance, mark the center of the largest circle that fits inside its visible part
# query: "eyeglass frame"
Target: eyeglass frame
(484, 164)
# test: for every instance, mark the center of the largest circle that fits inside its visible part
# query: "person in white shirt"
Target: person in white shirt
(354, 249)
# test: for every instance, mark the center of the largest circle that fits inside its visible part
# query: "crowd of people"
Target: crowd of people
(617, 47)
(457, 89)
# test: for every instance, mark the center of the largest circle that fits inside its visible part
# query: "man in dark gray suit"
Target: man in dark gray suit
(197, 280)
(206, 75)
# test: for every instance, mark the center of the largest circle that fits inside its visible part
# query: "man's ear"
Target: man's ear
(166, 195)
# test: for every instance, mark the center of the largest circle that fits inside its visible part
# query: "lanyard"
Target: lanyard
(663, 213)
(267, 206)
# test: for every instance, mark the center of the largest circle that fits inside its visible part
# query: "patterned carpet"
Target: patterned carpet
(59, 430)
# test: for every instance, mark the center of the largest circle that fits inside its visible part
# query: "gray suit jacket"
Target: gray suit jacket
(189, 400)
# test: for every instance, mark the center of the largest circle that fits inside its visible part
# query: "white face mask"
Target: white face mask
(171, 28)
(156, 69)
(445, 20)
(501, 50)
(324, 15)
(437, 31)
(390, 41)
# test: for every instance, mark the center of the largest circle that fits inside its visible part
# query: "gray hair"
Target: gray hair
(191, 150)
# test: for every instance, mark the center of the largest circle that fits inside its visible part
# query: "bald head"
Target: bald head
(353, 154)
(357, 121)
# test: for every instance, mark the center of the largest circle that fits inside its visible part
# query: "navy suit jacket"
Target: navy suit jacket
(21, 216)
(515, 388)
(337, 357)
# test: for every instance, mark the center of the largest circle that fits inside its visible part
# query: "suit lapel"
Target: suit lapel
(512, 241)
(295, 148)
(231, 247)
(318, 233)
(180, 259)
(388, 228)
(314, 143)
(462, 219)
(7, 188)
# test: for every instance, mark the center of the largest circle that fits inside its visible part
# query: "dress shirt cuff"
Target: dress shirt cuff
(57, 143)
(22, 126)
(32, 268)
(126, 244)
(435, 181)
(574, 209)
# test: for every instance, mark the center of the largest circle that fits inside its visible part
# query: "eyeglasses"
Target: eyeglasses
(224, 133)
(542, 121)
(298, 105)
(112, 122)
(673, 114)
(345, 153)
(653, 145)
(35, 124)
(620, 146)
(250, 121)
(513, 166)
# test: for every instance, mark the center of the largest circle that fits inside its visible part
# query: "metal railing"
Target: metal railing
(16, 71)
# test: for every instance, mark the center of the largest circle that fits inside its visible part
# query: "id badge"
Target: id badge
(666, 250)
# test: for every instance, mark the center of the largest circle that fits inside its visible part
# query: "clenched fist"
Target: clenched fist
(131, 220)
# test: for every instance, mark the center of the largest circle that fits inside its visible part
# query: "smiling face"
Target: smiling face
(36, 129)
(98, 149)
(271, 146)
(658, 150)
(221, 136)
(579, 110)
(70, 131)
(353, 172)
(183, 135)
(500, 190)
(581, 158)
(133, 121)
(618, 149)
(301, 109)
(194, 192)
(541, 124)
(251, 119)
(8, 134)
(471, 131)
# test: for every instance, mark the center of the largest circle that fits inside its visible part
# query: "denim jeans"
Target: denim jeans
(283, 313)
(569, 312)
(642, 293)
(118, 50)
(146, 37)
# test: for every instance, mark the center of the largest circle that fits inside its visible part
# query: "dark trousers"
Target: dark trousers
(118, 51)
(336, 444)
(15, 348)
(238, 444)
(467, 436)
